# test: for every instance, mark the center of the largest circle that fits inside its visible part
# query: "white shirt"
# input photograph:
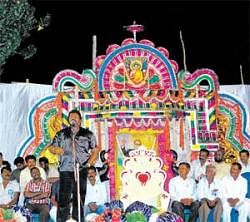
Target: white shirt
(222, 169)
(245, 168)
(7, 194)
(211, 191)
(234, 188)
(197, 170)
(96, 193)
(180, 188)
(25, 177)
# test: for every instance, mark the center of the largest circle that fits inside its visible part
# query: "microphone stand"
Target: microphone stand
(77, 177)
(78, 192)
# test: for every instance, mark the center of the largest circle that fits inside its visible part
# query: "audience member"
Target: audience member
(3, 163)
(208, 194)
(222, 168)
(174, 166)
(9, 190)
(37, 192)
(182, 190)
(95, 194)
(244, 161)
(25, 175)
(52, 173)
(234, 189)
(44, 163)
(19, 163)
(103, 170)
(198, 167)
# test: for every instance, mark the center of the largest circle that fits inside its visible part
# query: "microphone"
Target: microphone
(73, 126)
(72, 123)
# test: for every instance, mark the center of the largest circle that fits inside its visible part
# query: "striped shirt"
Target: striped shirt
(40, 186)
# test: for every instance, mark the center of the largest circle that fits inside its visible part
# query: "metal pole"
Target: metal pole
(77, 178)
(241, 75)
(183, 51)
(94, 51)
(78, 192)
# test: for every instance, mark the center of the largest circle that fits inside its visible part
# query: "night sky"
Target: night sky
(216, 36)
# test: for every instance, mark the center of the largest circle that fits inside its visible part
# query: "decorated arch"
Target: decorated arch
(136, 92)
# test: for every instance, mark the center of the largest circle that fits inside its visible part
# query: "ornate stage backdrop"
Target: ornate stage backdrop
(18, 103)
(136, 96)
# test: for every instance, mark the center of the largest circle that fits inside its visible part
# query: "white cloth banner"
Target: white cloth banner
(240, 92)
(16, 101)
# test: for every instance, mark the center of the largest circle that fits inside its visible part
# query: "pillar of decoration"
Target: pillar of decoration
(167, 130)
(111, 157)
(181, 133)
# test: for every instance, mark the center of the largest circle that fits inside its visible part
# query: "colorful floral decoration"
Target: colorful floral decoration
(84, 81)
(40, 126)
(136, 66)
(232, 126)
(142, 208)
(169, 217)
(137, 90)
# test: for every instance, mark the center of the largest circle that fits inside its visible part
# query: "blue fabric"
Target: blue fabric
(247, 176)
(234, 215)
(100, 209)
(115, 204)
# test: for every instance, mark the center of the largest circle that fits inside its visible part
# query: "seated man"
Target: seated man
(244, 161)
(37, 192)
(9, 190)
(234, 189)
(20, 165)
(174, 166)
(182, 190)
(95, 194)
(51, 172)
(3, 163)
(207, 192)
(198, 167)
(25, 176)
(222, 168)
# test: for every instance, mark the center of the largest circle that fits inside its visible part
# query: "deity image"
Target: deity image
(136, 70)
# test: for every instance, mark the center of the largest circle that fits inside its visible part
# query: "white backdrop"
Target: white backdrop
(16, 100)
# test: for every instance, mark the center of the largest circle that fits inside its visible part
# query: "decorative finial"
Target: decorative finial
(134, 28)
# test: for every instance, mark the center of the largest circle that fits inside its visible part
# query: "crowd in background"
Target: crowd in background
(199, 186)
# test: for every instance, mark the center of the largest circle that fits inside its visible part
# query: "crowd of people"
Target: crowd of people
(200, 186)
(203, 185)
(37, 187)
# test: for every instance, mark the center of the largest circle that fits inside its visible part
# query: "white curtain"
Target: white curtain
(16, 100)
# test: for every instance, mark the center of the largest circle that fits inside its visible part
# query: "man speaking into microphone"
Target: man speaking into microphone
(78, 145)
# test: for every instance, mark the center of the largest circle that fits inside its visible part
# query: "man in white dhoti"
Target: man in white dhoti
(234, 189)
(208, 190)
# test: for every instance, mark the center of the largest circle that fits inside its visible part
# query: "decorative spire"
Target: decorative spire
(134, 28)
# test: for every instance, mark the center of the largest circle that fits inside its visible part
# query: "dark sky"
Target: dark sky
(216, 36)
